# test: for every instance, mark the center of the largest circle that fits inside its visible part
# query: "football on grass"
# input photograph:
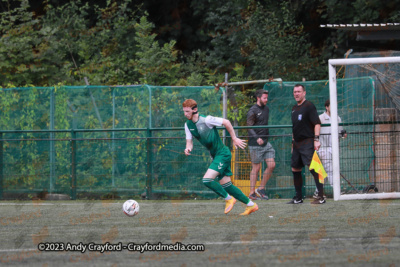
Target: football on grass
(130, 207)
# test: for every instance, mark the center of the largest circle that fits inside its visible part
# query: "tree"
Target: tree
(157, 65)
(24, 52)
(264, 37)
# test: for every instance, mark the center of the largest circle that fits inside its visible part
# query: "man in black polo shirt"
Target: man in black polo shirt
(259, 147)
(306, 128)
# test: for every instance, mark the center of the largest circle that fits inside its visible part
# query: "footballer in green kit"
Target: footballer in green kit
(217, 177)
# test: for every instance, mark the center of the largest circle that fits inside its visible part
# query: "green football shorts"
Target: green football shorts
(222, 163)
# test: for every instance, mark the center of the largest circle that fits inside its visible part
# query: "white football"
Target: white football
(130, 207)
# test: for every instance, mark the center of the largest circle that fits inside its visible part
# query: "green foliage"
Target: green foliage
(225, 26)
(155, 63)
(68, 43)
(265, 38)
(114, 42)
(21, 49)
(197, 70)
(98, 48)
(280, 47)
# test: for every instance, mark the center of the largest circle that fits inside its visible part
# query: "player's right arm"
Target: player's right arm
(189, 141)
(236, 141)
(251, 120)
(189, 146)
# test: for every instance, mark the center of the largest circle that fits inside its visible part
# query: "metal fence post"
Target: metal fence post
(304, 189)
(73, 164)
(52, 150)
(1, 166)
(149, 176)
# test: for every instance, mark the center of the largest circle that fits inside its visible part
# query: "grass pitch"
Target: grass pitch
(355, 233)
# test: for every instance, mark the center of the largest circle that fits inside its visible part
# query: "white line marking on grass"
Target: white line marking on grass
(278, 241)
(226, 243)
(25, 204)
(17, 250)
(199, 202)
(99, 203)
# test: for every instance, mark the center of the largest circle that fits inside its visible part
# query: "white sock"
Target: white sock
(251, 203)
(228, 197)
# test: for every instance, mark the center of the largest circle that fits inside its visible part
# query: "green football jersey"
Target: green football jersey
(204, 130)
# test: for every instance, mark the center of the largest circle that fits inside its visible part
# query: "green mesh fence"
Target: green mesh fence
(100, 141)
(356, 98)
(128, 141)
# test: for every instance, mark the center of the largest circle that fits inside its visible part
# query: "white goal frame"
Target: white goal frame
(332, 63)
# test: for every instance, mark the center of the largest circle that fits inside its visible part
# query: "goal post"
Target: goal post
(332, 63)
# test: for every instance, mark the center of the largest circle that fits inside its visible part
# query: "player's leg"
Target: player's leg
(221, 164)
(260, 191)
(218, 189)
(209, 181)
(307, 153)
(322, 156)
(238, 194)
(320, 186)
(255, 169)
(307, 157)
(298, 186)
(233, 190)
(297, 165)
(326, 159)
(269, 156)
(268, 172)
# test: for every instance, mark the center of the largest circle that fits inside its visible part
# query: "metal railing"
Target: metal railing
(150, 162)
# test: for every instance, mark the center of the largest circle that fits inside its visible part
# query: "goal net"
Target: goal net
(366, 165)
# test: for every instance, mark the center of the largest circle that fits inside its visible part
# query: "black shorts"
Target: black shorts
(303, 152)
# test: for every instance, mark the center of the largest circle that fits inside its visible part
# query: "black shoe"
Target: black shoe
(315, 195)
(319, 200)
(261, 194)
(254, 197)
(295, 200)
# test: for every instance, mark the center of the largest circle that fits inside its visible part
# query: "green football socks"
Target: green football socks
(236, 192)
(215, 186)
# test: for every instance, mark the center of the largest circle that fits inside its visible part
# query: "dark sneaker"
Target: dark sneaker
(254, 197)
(295, 200)
(261, 194)
(315, 195)
(319, 200)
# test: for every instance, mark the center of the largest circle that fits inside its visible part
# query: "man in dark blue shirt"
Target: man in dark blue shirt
(260, 148)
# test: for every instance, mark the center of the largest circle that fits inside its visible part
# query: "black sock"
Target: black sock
(320, 186)
(298, 184)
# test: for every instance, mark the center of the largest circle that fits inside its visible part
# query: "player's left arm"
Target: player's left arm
(342, 132)
(236, 141)
(264, 139)
(317, 129)
(314, 119)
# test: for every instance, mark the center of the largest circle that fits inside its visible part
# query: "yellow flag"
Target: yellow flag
(317, 166)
